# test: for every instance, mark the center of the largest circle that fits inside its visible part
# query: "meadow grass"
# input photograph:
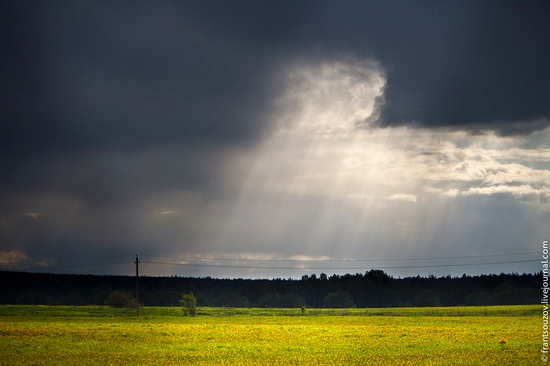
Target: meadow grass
(93, 335)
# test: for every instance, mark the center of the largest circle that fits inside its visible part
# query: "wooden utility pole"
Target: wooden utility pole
(137, 287)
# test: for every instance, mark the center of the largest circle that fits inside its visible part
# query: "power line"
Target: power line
(296, 260)
(90, 259)
(340, 268)
(290, 259)
(73, 266)
(335, 260)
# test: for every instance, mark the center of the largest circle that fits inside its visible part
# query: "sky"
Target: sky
(274, 139)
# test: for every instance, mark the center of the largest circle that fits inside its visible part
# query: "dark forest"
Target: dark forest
(374, 288)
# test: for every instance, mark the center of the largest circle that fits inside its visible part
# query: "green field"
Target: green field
(94, 335)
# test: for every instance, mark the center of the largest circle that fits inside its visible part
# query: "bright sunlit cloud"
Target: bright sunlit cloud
(12, 258)
(286, 130)
(329, 182)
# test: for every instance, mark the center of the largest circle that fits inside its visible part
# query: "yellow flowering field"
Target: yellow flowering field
(95, 336)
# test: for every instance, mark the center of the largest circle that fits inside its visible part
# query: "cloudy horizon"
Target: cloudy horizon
(274, 139)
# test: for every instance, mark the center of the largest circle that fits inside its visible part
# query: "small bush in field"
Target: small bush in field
(189, 304)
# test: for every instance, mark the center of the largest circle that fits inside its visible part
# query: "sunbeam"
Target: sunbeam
(328, 181)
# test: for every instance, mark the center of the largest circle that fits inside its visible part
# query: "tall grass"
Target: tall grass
(94, 335)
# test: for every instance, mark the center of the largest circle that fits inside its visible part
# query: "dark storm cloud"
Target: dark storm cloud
(133, 124)
(108, 104)
(457, 64)
(100, 74)
(85, 75)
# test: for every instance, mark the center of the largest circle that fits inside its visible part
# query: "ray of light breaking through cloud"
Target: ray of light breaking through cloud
(274, 131)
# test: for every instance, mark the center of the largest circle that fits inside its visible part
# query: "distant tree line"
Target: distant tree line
(373, 288)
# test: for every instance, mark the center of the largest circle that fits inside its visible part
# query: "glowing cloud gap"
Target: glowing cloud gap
(326, 180)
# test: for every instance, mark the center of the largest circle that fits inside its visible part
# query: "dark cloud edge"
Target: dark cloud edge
(502, 128)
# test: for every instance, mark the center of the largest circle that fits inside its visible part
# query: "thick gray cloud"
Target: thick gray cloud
(93, 75)
(81, 74)
(272, 130)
